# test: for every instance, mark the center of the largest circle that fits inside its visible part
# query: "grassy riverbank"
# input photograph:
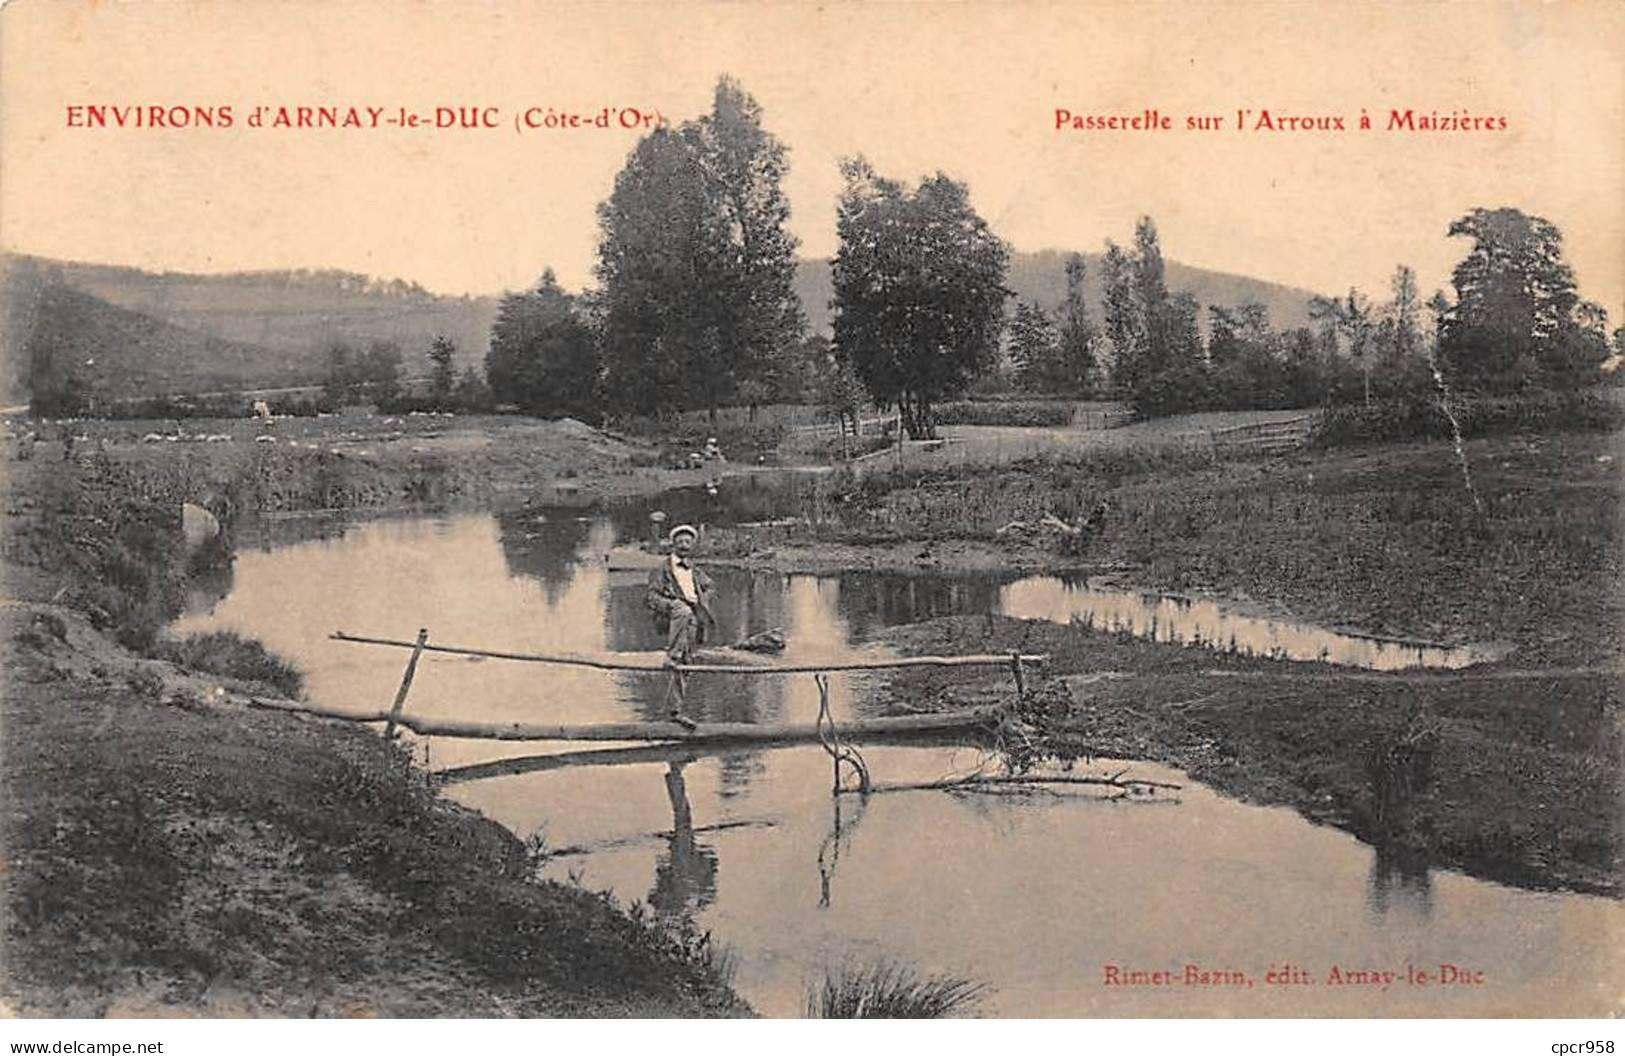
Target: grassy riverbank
(1383, 539)
(1504, 774)
(169, 849)
(1510, 772)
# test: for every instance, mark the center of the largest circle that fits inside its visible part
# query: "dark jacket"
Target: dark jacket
(663, 592)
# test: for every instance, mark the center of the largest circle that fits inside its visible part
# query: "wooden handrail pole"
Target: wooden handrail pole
(406, 684)
(606, 662)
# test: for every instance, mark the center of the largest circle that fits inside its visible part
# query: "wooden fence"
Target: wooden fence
(1287, 434)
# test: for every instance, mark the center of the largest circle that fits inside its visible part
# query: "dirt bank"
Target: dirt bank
(171, 850)
(744, 549)
(1499, 772)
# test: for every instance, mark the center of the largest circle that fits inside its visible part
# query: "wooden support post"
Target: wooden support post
(1021, 680)
(834, 734)
(406, 684)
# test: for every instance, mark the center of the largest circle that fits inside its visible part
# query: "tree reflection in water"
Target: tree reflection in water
(1399, 883)
(838, 840)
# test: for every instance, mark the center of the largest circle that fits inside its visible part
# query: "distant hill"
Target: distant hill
(292, 312)
(1041, 277)
(123, 353)
(174, 332)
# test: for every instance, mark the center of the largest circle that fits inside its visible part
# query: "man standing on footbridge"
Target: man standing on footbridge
(679, 598)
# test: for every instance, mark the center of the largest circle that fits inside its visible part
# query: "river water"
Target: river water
(1052, 900)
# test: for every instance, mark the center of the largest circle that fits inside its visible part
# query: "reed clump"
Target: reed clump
(892, 990)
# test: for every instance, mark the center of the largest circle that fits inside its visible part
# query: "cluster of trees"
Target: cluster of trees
(355, 375)
(1516, 323)
(919, 291)
(1518, 320)
(695, 307)
(1057, 355)
(377, 375)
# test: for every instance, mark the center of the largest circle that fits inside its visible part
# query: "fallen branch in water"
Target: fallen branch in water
(576, 850)
(973, 782)
(709, 733)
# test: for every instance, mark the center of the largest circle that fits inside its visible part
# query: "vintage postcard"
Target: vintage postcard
(1023, 510)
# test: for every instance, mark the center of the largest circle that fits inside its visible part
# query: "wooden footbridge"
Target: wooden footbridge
(837, 740)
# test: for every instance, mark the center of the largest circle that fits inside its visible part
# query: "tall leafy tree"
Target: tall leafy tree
(841, 396)
(745, 166)
(1077, 330)
(1150, 285)
(1514, 316)
(695, 264)
(1233, 332)
(919, 290)
(1406, 311)
(1035, 348)
(379, 371)
(471, 392)
(61, 368)
(543, 356)
(1178, 380)
(1123, 321)
(1156, 339)
(1248, 360)
(442, 374)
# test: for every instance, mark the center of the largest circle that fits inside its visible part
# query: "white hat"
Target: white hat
(683, 529)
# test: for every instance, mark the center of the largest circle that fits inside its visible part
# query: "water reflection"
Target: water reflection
(1032, 895)
(1400, 884)
(1192, 621)
(741, 498)
(686, 873)
(837, 842)
(872, 601)
(543, 544)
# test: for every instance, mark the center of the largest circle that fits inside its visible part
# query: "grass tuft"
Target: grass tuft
(890, 990)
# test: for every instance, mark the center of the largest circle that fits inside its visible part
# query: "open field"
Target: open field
(975, 446)
(360, 460)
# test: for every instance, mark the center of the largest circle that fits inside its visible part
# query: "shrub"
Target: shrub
(176, 408)
(1424, 418)
(286, 406)
(1006, 412)
(233, 656)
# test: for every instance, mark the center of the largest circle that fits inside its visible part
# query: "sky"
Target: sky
(968, 89)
